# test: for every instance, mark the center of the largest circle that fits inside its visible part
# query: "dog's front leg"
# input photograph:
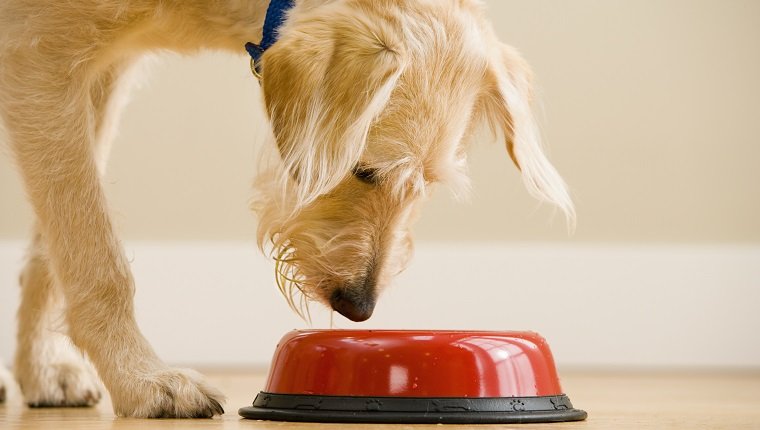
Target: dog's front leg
(51, 117)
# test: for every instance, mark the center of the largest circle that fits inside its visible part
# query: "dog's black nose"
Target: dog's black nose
(356, 307)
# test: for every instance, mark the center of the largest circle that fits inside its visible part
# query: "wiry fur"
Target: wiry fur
(371, 102)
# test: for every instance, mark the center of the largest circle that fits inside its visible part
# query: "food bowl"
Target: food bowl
(412, 376)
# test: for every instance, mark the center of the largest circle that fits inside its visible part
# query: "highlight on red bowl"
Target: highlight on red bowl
(413, 376)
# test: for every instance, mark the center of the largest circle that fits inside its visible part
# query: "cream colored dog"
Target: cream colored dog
(370, 102)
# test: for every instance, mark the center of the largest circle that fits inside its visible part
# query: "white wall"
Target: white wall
(650, 111)
(215, 303)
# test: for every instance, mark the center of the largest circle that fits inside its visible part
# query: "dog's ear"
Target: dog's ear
(507, 104)
(324, 83)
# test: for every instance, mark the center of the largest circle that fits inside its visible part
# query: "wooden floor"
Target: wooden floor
(613, 401)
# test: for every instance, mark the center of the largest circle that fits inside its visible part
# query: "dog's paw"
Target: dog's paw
(59, 384)
(167, 393)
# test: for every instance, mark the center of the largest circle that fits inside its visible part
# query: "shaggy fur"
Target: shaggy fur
(370, 102)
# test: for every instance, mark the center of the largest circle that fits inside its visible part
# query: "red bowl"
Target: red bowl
(415, 376)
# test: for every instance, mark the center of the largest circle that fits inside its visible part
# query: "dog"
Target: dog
(370, 102)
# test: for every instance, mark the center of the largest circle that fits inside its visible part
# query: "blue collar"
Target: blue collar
(274, 19)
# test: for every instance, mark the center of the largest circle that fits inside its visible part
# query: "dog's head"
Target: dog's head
(371, 102)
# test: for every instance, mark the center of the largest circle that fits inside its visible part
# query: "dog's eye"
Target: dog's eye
(366, 175)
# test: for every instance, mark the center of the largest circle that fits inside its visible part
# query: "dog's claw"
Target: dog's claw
(216, 407)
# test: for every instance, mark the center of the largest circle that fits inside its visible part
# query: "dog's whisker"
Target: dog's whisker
(289, 279)
(285, 260)
(304, 306)
(282, 282)
(290, 282)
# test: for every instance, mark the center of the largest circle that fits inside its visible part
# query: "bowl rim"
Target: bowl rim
(410, 331)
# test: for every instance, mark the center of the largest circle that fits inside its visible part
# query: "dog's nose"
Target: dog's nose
(356, 307)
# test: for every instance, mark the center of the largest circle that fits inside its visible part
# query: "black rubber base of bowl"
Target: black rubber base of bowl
(412, 410)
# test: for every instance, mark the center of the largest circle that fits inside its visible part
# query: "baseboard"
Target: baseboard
(215, 304)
